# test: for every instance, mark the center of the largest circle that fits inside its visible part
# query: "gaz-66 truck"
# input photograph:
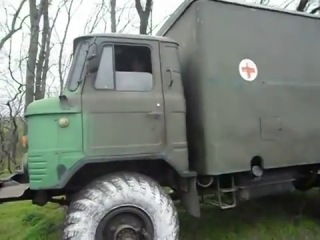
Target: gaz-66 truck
(225, 101)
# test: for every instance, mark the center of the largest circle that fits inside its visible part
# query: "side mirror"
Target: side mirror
(93, 60)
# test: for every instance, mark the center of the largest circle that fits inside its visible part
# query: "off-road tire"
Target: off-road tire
(103, 195)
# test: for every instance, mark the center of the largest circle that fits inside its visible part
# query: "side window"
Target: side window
(133, 68)
(131, 71)
(105, 75)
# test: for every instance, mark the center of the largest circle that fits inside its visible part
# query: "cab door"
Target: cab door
(175, 106)
(123, 111)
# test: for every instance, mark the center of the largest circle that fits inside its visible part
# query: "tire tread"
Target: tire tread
(109, 185)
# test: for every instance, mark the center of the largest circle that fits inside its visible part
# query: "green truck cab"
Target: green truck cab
(223, 101)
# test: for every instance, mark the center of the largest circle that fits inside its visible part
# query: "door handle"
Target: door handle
(154, 114)
(171, 77)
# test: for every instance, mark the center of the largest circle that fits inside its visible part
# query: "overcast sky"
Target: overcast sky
(81, 14)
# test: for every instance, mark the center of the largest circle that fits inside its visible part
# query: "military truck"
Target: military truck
(223, 102)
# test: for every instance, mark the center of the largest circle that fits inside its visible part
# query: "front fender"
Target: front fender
(65, 174)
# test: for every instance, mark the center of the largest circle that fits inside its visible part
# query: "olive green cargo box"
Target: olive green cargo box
(231, 120)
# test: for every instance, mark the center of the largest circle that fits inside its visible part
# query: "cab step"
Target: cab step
(11, 190)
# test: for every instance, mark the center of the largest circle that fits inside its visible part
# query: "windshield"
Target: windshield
(74, 77)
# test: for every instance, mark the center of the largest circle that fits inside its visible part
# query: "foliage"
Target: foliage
(11, 149)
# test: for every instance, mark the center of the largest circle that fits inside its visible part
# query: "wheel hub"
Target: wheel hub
(126, 232)
(125, 223)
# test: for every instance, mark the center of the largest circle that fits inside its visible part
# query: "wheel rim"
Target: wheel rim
(125, 223)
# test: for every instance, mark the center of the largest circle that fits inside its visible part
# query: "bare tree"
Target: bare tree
(122, 21)
(44, 52)
(155, 26)
(302, 6)
(13, 28)
(2, 143)
(62, 69)
(11, 117)
(316, 9)
(104, 13)
(144, 14)
(35, 16)
(38, 63)
(98, 15)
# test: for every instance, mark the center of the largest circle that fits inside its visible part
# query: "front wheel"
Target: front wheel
(124, 206)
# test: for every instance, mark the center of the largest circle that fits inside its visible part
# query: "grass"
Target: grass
(24, 221)
(295, 217)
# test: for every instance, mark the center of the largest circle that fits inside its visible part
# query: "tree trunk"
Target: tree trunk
(113, 16)
(35, 15)
(302, 5)
(60, 67)
(144, 15)
(39, 90)
(46, 65)
(143, 24)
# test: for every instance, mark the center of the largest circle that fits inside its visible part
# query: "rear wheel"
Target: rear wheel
(126, 206)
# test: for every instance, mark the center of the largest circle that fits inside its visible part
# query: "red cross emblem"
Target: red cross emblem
(248, 70)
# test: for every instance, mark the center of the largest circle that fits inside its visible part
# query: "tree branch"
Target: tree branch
(13, 28)
(315, 10)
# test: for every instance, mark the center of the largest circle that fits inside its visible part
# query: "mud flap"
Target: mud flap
(190, 198)
(11, 190)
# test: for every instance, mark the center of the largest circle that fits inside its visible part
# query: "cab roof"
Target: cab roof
(123, 36)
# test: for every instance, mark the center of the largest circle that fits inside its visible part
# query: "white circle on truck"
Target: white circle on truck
(248, 70)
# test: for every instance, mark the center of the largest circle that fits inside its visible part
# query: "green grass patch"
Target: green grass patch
(295, 217)
(24, 221)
